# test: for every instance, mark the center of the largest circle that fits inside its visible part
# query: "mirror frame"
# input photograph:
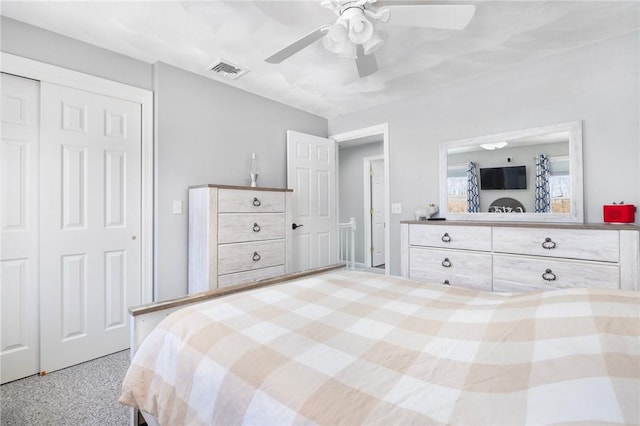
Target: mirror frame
(575, 166)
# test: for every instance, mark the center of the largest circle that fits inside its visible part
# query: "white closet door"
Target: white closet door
(90, 223)
(311, 173)
(19, 352)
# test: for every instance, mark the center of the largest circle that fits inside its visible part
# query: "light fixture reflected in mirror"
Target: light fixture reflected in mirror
(494, 145)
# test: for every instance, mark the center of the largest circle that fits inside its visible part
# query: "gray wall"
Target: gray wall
(35, 43)
(351, 188)
(598, 84)
(206, 134)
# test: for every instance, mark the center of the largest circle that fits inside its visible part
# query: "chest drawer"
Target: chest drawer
(241, 227)
(246, 201)
(455, 237)
(518, 273)
(465, 269)
(573, 244)
(250, 276)
(249, 256)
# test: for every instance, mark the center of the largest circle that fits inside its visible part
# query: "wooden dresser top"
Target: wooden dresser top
(246, 188)
(615, 226)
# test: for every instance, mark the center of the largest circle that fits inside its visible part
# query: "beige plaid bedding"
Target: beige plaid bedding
(356, 348)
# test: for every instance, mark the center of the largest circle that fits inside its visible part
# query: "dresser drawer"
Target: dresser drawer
(464, 269)
(566, 243)
(245, 201)
(241, 227)
(455, 237)
(519, 273)
(249, 276)
(249, 256)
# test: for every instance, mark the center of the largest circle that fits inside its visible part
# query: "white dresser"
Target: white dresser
(506, 257)
(237, 234)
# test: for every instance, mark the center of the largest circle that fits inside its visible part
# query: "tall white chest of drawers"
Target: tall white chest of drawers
(503, 257)
(237, 234)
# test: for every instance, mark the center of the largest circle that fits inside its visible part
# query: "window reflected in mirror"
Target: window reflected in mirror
(457, 187)
(560, 184)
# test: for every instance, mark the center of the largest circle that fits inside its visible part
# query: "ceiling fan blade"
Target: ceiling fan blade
(298, 45)
(366, 64)
(442, 16)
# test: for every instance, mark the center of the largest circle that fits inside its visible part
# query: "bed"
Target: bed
(346, 347)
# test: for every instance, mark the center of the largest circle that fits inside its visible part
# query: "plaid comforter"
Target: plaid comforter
(356, 348)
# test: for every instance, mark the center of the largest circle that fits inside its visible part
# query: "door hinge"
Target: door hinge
(370, 172)
(371, 212)
(371, 249)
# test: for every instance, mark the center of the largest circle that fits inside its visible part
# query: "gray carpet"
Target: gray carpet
(85, 394)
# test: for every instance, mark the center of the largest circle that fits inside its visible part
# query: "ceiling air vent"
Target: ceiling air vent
(227, 69)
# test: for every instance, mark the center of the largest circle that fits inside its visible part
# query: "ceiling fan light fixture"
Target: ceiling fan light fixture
(339, 31)
(360, 29)
(336, 38)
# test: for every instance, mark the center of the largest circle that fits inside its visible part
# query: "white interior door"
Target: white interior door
(377, 213)
(90, 223)
(19, 353)
(311, 173)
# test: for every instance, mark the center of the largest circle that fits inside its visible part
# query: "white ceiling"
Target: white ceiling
(193, 35)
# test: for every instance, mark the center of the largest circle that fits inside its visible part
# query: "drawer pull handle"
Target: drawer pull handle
(256, 202)
(446, 238)
(549, 275)
(549, 244)
(446, 262)
(446, 282)
(256, 227)
(256, 256)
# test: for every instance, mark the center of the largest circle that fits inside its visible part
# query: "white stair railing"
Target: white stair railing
(347, 240)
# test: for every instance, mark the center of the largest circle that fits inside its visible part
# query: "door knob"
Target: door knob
(294, 226)
(133, 237)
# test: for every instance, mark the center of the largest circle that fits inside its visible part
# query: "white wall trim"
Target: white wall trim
(29, 68)
(382, 130)
(366, 167)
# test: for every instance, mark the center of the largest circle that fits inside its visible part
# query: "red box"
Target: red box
(619, 213)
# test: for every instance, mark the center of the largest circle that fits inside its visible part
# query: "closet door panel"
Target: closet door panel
(19, 342)
(90, 226)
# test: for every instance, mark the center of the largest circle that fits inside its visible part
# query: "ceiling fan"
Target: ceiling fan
(353, 34)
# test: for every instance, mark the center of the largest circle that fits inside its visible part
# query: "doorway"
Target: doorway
(356, 150)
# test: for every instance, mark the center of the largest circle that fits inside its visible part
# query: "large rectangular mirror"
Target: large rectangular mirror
(531, 175)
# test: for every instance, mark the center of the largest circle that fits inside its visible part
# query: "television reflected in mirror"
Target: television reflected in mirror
(527, 175)
(513, 177)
